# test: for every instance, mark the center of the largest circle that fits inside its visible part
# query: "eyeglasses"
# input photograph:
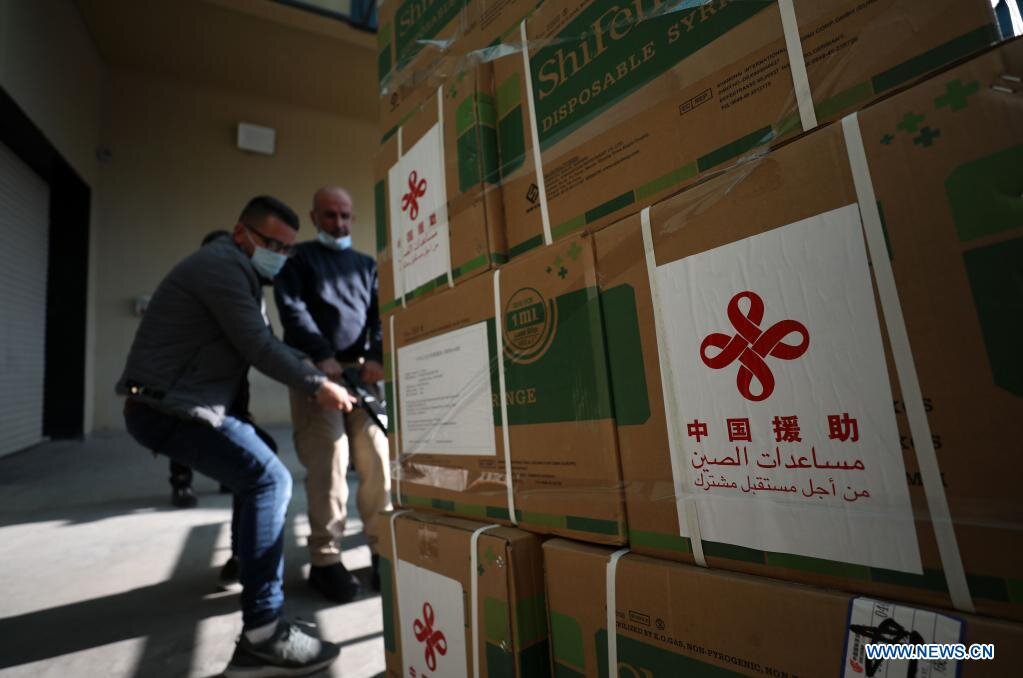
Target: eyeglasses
(271, 244)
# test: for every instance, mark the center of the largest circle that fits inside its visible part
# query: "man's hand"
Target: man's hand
(330, 396)
(372, 372)
(331, 367)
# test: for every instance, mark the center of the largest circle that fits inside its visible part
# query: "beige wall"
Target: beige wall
(51, 68)
(175, 174)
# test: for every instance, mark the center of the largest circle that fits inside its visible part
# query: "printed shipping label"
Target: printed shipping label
(432, 614)
(446, 405)
(420, 245)
(788, 435)
(881, 623)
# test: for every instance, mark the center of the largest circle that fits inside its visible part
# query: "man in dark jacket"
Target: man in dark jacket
(327, 298)
(201, 332)
(182, 494)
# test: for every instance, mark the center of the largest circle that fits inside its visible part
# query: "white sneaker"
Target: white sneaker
(290, 651)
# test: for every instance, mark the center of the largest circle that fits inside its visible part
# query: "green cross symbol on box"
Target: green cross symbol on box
(887, 139)
(910, 122)
(927, 137)
(574, 251)
(956, 94)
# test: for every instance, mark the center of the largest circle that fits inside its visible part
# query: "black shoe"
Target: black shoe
(289, 652)
(183, 497)
(335, 582)
(374, 578)
(228, 579)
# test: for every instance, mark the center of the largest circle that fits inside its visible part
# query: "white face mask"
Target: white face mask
(342, 243)
(267, 264)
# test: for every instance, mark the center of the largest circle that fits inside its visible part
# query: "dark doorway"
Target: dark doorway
(67, 274)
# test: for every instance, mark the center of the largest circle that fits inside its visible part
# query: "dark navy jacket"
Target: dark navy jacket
(327, 300)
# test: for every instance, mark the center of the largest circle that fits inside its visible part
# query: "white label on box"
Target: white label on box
(789, 439)
(879, 623)
(432, 617)
(419, 214)
(446, 406)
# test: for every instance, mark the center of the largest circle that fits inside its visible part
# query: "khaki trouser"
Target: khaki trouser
(322, 440)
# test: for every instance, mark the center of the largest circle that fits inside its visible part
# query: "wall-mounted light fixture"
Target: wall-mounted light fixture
(256, 138)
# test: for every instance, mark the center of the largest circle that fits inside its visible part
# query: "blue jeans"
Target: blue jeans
(236, 456)
(236, 504)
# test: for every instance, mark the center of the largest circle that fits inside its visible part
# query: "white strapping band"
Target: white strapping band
(612, 597)
(1015, 17)
(909, 383)
(443, 168)
(395, 418)
(534, 134)
(394, 538)
(474, 596)
(505, 437)
(394, 250)
(797, 65)
(685, 505)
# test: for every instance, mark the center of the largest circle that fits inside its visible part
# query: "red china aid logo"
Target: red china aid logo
(416, 190)
(751, 345)
(435, 641)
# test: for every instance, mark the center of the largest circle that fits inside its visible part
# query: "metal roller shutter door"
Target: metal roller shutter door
(24, 225)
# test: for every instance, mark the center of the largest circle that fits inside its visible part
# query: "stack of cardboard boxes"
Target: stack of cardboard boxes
(762, 386)
(633, 100)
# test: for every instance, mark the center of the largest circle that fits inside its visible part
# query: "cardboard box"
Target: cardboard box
(417, 31)
(635, 100)
(679, 620)
(777, 349)
(438, 206)
(423, 43)
(452, 585)
(450, 363)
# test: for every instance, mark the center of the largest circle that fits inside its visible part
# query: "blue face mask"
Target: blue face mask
(342, 243)
(267, 264)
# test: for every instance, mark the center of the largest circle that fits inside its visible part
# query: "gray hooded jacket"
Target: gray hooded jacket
(202, 330)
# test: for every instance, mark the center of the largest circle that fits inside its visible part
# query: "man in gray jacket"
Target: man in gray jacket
(201, 332)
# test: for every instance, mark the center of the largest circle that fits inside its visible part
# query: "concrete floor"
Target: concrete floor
(100, 576)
